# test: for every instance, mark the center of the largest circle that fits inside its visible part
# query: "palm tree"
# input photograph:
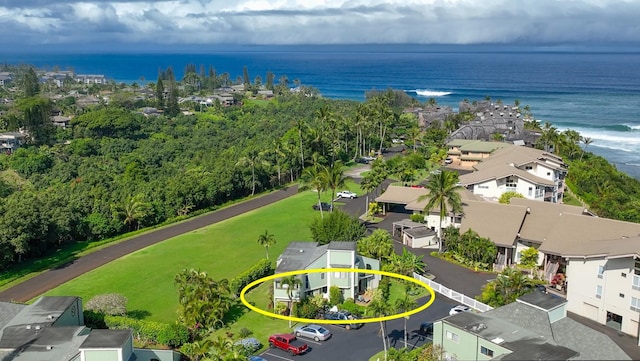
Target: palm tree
(443, 193)
(333, 177)
(267, 240)
(586, 141)
(378, 307)
(252, 158)
(405, 264)
(403, 305)
(414, 135)
(311, 179)
(134, 210)
(291, 282)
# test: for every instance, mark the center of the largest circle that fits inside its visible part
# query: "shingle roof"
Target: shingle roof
(106, 338)
(498, 222)
(542, 216)
(577, 235)
(401, 195)
(500, 171)
(298, 255)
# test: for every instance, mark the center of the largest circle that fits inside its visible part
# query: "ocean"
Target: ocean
(594, 92)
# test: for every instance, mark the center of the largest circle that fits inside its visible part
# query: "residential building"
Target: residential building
(535, 327)
(11, 141)
(91, 78)
(52, 328)
(466, 153)
(309, 255)
(5, 78)
(531, 172)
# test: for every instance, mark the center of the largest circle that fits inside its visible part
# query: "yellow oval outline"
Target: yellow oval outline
(337, 322)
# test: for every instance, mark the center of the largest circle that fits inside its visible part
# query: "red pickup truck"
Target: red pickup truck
(288, 342)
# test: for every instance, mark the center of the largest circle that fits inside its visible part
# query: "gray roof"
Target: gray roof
(342, 246)
(544, 301)
(524, 344)
(298, 255)
(8, 311)
(106, 339)
(420, 232)
(53, 343)
(588, 343)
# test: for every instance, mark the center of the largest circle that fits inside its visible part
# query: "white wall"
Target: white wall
(617, 290)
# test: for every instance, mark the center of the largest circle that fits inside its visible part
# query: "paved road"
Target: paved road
(43, 282)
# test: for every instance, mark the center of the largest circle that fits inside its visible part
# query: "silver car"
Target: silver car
(318, 333)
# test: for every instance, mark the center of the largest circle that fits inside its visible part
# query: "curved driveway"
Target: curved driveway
(47, 280)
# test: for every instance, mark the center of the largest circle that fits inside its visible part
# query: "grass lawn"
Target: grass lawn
(223, 250)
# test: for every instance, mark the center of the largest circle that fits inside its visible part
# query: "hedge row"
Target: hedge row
(172, 335)
(261, 269)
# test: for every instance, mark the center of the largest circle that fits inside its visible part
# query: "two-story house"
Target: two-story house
(309, 255)
(11, 141)
(531, 172)
(535, 327)
(52, 328)
(467, 153)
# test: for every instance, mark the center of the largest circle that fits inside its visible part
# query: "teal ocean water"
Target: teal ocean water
(594, 92)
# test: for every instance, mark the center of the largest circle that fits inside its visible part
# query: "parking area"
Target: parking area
(358, 345)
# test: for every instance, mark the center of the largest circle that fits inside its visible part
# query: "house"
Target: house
(61, 121)
(11, 141)
(309, 255)
(52, 328)
(534, 173)
(535, 327)
(466, 153)
(5, 78)
(91, 78)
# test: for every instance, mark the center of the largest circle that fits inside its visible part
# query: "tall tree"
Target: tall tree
(378, 307)
(402, 305)
(586, 141)
(333, 178)
(203, 302)
(292, 282)
(245, 77)
(160, 93)
(30, 83)
(266, 240)
(312, 179)
(444, 195)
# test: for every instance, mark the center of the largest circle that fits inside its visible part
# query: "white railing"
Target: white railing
(454, 295)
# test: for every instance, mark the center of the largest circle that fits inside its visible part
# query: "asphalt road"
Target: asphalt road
(43, 282)
(358, 345)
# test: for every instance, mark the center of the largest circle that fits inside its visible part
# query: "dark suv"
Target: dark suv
(325, 206)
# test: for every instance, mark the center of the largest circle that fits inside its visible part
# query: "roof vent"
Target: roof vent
(497, 340)
(302, 250)
(49, 347)
(51, 317)
(28, 327)
(37, 327)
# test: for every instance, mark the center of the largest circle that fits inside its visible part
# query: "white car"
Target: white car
(347, 194)
(459, 309)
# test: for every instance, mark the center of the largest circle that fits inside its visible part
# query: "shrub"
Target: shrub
(173, 335)
(375, 208)
(113, 304)
(529, 257)
(93, 319)
(335, 296)
(351, 306)
(248, 345)
(244, 332)
(417, 217)
(385, 288)
(261, 269)
(306, 309)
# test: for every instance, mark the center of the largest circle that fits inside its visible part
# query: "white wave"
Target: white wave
(633, 126)
(431, 93)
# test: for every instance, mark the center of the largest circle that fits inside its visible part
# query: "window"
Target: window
(485, 351)
(600, 271)
(636, 282)
(452, 336)
(635, 304)
(598, 291)
(336, 275)
(530, 192)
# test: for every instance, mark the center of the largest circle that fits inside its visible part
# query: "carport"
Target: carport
(400, 195)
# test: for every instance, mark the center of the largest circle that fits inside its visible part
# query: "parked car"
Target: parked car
(448, 160)
(342, 316)
(362, 161)
(289, 343)
(316, 332)
(459, 309)
(325, 206)
(426, 329)
(257, 358)
(369, 159)
(347, 194)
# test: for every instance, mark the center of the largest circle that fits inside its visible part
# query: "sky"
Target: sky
(113, 24)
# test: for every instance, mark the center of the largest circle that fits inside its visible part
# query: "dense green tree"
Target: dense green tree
(505, 198)
(202, 301)
(30, 82)
(506, 288)
(337, 226)
(405, 264)
(333, 177)
(35, 114)
(378, 245)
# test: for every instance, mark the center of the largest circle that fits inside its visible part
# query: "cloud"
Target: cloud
(34, 22)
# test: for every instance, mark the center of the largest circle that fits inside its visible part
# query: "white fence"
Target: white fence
(456, 296)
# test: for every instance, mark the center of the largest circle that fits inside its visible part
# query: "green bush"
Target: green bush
(306, 309)
(417, 217)
(245, 332)
(385, 288)
(261, 269)
(351, 306)
(94, 319)
(335, 296)
(173, 335)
